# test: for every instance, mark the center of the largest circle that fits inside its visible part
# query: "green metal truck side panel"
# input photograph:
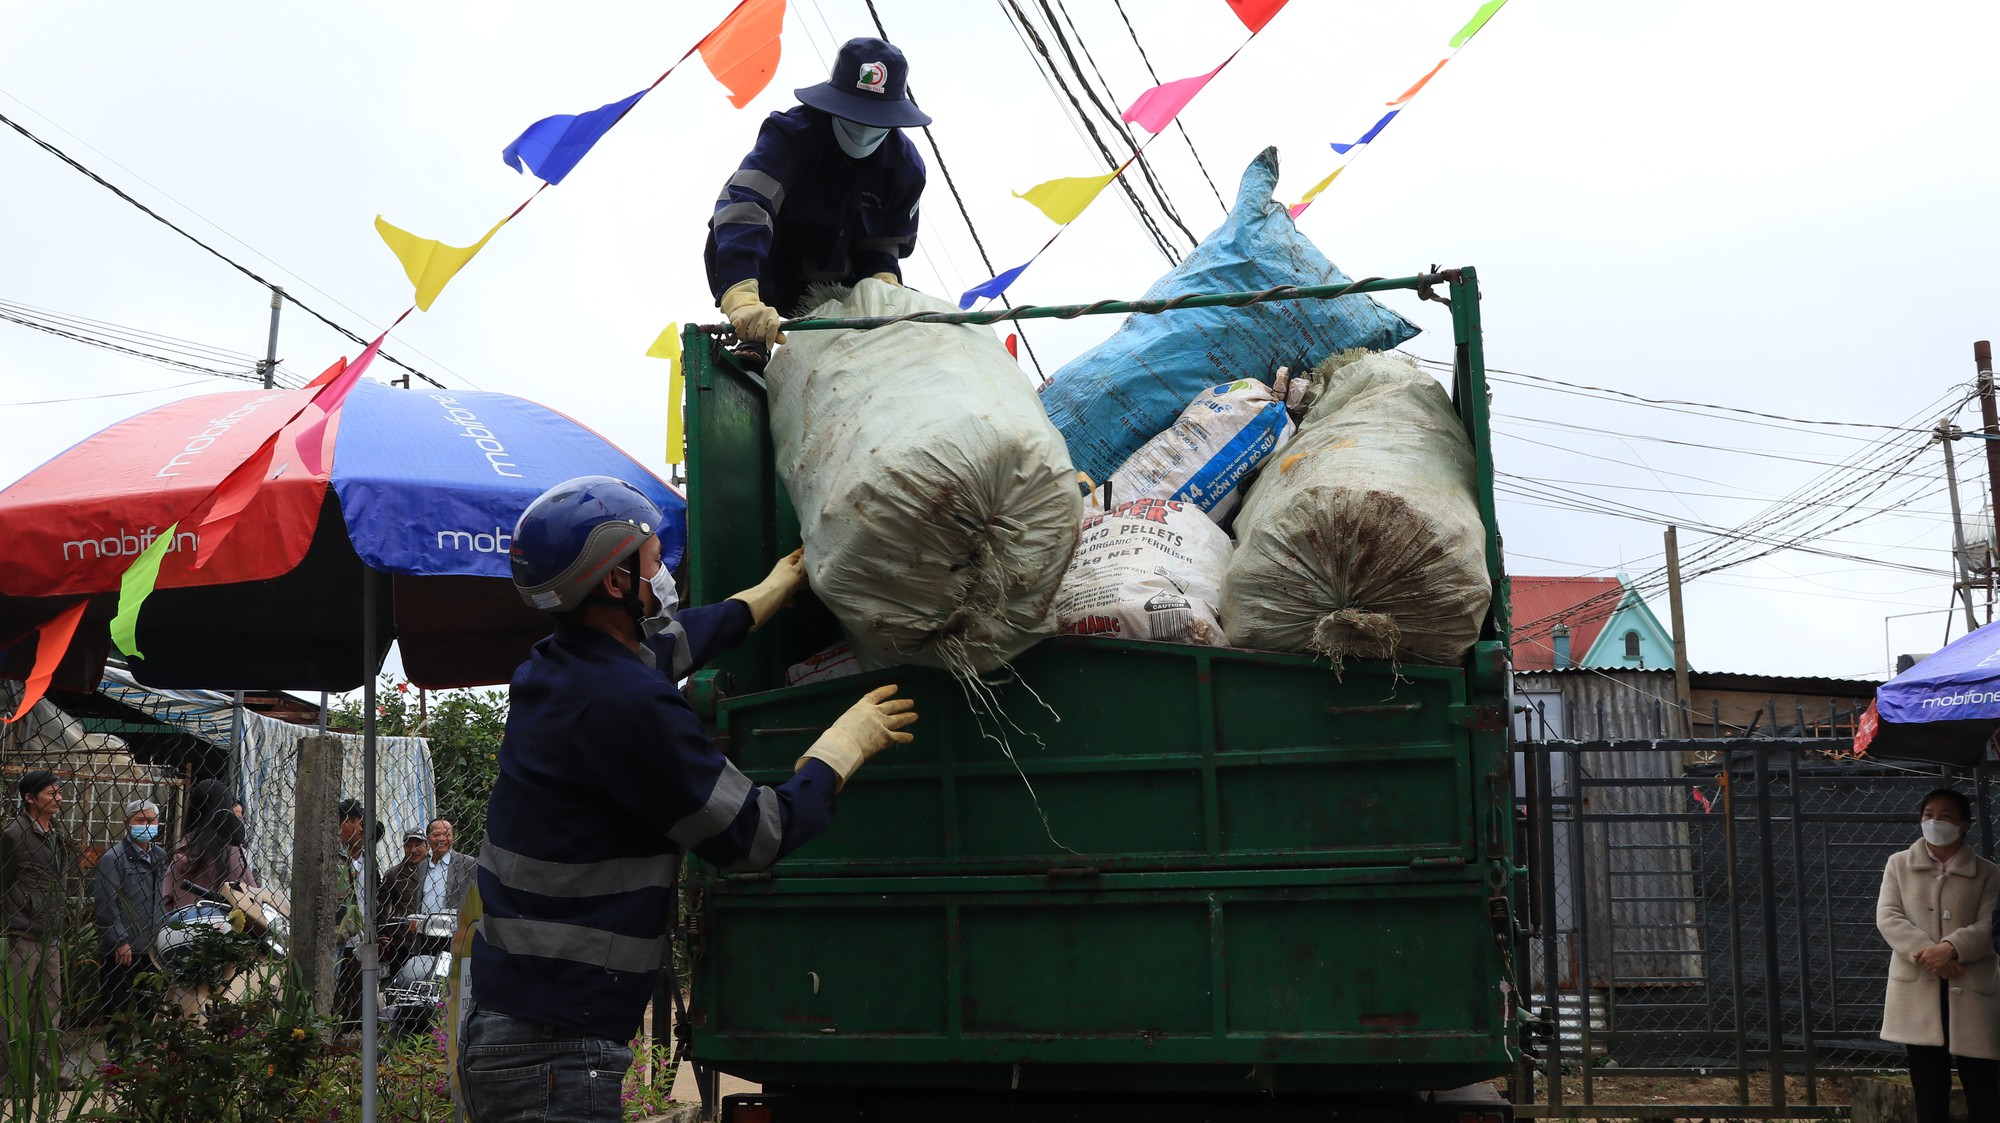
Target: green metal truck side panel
(1236, 871)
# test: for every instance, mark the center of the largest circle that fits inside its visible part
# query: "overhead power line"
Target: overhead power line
(1052, 74)
(938, 155)
(1108, 111)
(1219, 200)
(218, 254)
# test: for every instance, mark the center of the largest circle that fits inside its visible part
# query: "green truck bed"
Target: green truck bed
(1236, 872)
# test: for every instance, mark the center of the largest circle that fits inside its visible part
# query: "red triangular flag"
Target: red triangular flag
(50, 644)
(312, 442)
(231, 496)
(1255, 13)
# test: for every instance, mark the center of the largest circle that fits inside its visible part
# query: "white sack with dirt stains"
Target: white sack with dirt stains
(936, 499)
(1362, 538)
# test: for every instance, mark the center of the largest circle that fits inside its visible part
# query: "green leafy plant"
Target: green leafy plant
(463, 727)
(649, 1083)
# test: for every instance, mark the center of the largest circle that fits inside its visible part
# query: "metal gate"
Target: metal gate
(1703, 921)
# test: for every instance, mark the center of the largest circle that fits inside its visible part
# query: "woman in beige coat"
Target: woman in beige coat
(1943, 1001)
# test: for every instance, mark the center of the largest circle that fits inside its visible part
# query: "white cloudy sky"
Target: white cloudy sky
(1783, 207)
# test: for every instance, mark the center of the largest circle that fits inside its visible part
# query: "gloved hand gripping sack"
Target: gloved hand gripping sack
(1362, 539)
(938, 505)
(1117, 395)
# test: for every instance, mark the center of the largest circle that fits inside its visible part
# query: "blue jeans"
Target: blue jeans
(516, 1071)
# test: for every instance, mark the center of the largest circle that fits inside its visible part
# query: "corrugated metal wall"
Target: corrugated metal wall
(1638, 885)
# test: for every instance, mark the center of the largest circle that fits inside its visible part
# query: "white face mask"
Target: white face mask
(1937, 832)
(857, 140)
(669, 598)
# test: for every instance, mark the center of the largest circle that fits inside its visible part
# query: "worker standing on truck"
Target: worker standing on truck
(605, 778)
(829, 193)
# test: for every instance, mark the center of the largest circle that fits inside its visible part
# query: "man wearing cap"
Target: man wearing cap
(829, 193)
(130, 910)
(402, 894)
(35, 864)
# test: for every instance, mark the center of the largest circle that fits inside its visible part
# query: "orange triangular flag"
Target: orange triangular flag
(51, 642)
(742, 51)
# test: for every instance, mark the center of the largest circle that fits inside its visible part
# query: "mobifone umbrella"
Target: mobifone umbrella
(1945, 709)
(401, 534)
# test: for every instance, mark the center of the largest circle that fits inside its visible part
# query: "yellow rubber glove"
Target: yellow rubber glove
(887, 279)
(776, 591)
(753, 319)
(868, 727)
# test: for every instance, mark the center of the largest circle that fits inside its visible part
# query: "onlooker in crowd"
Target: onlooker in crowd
(354, 839)
(130, 910)
(210, 851)
(448, 875)
(1936, 912)
(402, 892)
(36, 861)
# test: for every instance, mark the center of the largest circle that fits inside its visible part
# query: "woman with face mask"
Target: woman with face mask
(1943, 998)
(829, 193)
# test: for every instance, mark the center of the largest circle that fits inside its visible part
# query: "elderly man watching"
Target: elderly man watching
(36, 863)
(130, 911)
(448, 875)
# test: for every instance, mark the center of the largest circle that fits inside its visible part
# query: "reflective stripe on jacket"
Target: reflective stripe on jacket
(800, 210)
(605, 777)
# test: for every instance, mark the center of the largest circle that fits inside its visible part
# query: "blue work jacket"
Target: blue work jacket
(800, 210)
(605, 778)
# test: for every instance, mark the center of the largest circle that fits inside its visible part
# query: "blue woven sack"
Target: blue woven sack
(1114, 397)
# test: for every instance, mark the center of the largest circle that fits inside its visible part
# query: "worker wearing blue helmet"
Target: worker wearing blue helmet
(828, 193)
(605, 778)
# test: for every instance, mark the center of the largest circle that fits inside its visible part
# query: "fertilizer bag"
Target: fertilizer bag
(1209, 453)
(1362, 539)
(1150, 569)
(1117, 395)
(937, 504)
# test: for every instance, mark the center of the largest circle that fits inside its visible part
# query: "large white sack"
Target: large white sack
(1362, 539)
(937, 501)
(1149, 569)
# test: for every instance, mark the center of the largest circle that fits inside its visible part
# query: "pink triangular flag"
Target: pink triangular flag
(1156, 108)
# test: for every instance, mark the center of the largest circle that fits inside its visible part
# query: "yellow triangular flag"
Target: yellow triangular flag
(1063, 199)
(429, 262)
(1317, 188)
(668, 347)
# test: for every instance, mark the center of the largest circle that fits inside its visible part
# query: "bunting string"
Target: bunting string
(1352, 149)
(741, 52)
(1064, 200)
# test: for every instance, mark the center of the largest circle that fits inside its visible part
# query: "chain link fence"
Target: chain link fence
(125, 742)
(1704, 912)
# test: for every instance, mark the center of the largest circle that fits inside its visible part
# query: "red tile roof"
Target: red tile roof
(1540, 603)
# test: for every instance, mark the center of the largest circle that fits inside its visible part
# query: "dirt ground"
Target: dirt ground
(1706, 1090)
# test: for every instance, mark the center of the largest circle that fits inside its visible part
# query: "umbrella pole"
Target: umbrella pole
(370, 965)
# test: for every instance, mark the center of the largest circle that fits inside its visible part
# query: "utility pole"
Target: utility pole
(270, 364)
(1989, 416)
(1947, 433)
(269, 370)
(1681, 697)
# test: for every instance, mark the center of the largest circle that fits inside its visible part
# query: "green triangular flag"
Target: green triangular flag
(134, 587)
(1478, 21)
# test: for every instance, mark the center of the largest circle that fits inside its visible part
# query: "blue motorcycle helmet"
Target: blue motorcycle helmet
(575, 533)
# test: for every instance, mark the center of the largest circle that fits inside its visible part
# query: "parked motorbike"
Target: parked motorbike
(230, 908)
(413, 995)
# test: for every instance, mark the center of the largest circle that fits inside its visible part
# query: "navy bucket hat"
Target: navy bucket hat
(868, 87)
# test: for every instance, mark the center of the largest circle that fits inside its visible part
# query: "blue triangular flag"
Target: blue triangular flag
(1371, 134)
(552, 146)
(994, 286)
